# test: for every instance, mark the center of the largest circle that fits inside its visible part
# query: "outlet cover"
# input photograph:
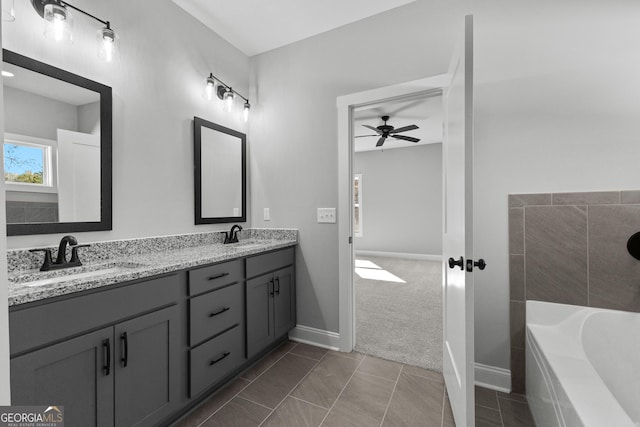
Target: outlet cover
(327, 215)
(266, 215)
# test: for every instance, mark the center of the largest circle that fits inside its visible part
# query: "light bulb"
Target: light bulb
(209, 88)
(107, 44)
(245, 111)
(58, 23)
(228, 100)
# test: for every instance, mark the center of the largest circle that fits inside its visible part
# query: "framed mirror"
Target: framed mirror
(57, 149)
(220, 173)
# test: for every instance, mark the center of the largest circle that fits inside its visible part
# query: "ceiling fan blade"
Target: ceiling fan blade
(406, 138)
(378, 131)
(381, 141)
(363, 136)
(404, 129)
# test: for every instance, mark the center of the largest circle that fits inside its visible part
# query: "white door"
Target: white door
(458, 232)
(78, 176)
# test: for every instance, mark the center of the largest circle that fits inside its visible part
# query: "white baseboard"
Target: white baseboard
(493, 378)
(317, 337)
(422, 257)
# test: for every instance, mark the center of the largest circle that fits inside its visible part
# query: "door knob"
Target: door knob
(479, 263)
(454, 263)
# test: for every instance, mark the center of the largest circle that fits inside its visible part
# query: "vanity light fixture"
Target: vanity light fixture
(226, 94)
(58, 25)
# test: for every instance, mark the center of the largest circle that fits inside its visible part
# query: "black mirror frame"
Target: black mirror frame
(106, 161)
(198, 123)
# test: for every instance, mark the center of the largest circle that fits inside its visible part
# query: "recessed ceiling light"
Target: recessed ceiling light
(6, 74)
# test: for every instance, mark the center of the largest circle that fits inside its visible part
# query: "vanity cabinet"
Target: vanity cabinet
(270, 298)
(125, 373)
(216, 323)
(143, 352)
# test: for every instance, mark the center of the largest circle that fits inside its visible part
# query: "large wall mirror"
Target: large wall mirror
(57, 149)
(220, 173)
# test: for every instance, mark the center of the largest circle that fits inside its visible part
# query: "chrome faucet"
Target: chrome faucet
(232, 235)
(61, 258)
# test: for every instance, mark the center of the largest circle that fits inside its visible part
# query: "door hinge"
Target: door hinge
(350, 240)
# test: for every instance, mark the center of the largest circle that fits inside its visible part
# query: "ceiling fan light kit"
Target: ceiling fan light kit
(385, 131)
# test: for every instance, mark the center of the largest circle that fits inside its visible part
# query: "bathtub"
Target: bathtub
(582, 366)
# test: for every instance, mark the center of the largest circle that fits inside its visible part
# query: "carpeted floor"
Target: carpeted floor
(399, 321)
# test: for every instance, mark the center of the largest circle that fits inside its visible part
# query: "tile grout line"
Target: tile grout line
(243, 388)
(227, 401)
(500, 410)
(444, 401)
(342, 391)
(294, 387)
(271, 365)
(588, 268)
(376, 376)
(391, 396)
(254, 402)
(306, 401)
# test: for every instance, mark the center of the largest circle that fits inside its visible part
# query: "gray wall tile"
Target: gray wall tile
(522, 200)
(516, 277)
(628, 197)
(516, 231)
(556, 254)
(517, 315)
(614, 275)
(589, 198)
(517, 370)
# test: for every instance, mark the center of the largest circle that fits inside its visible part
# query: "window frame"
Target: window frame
(49, 166)
(359, 232)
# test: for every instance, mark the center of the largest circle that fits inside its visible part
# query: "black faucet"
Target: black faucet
(61, 259)
(232, 235)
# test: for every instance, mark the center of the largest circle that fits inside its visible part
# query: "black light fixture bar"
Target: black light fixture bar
(227, 87)
(39, 5)
(64, 3)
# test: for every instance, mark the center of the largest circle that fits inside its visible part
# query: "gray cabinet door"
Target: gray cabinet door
(285, 301)
(146, 368)
(260, 328)
(72, 374)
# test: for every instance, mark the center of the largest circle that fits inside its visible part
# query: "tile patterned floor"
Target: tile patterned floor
(304, 386)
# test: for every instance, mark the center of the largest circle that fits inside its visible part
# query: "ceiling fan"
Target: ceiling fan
(385, 131)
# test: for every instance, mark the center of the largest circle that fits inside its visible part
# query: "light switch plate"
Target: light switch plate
(327, 215)
(266, 215)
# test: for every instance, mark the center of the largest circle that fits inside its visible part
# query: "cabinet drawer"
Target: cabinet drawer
(212, 313)
(216, 358)
(268, 262)
(215, 276)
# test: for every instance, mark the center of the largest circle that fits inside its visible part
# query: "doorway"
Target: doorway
(397, 229)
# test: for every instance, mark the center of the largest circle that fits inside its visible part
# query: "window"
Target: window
(357, 205)
(28, 163)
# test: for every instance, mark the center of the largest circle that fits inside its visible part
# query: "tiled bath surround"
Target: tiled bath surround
(570, 248)
(22, 259)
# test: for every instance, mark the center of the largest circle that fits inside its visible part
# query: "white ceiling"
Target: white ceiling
(256, 26)
(426, 113)
(39, 84)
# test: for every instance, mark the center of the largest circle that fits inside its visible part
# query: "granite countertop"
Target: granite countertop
(131, 267)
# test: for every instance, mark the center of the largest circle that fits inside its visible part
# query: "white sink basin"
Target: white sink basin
(93, 271)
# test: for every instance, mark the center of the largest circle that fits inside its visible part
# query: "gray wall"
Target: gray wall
(553, 112)
(89, 118)
(402, 200)
(294, 129)
(34, 115)
(157, 90)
